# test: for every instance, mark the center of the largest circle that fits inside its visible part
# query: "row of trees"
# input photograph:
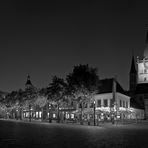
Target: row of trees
(79, 86)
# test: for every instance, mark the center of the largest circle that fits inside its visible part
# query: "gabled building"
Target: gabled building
(112, 99)
(110, 102)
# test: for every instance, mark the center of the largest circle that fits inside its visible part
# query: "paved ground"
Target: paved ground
(54, 135)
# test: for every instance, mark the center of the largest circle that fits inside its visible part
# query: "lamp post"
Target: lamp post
(49, 112)
(94, 113)
(29, 113)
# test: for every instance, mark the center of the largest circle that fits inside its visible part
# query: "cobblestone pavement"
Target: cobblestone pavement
(42, 134)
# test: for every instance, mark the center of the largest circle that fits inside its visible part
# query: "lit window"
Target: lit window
(54, 115)
(72, 116)
(67, 115)
(36, 114)
(40, 114)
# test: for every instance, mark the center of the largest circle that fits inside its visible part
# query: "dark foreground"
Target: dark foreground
(35, 135)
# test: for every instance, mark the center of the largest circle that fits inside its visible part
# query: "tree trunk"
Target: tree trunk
(49, 114)
(81, 122)
(20, 113)
(29, 113)
(58, 118)
(42, 116)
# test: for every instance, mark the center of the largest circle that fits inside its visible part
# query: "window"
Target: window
(126, 104)
(105, 103)
(120, 103)
(72, 116)
(123, 103)
(144, 78)
(111, 103)
(98, 103)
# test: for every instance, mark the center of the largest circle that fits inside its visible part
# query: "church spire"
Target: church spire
(133, 76)
(28, 82)
(133, 69)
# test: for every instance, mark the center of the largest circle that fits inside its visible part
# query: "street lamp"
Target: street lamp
(49, 116)
(94, 113)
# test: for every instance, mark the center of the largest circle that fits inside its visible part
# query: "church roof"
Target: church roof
(133, 69)
(28, 82)
(106, 86)
(142, 88)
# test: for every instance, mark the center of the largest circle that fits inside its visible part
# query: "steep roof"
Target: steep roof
(28, 82)
(133, 69)
(106, 86)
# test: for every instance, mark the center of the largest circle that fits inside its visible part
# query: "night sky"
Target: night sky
(44, 38)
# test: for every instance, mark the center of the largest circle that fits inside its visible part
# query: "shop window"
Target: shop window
(72, 116)
(54, 115)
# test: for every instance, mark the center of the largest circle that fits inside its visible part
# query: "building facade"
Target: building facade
(138, 82)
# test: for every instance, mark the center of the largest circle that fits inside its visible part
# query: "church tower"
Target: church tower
(28, 83)
(143, 65)
(133, 76)
(142, 85)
